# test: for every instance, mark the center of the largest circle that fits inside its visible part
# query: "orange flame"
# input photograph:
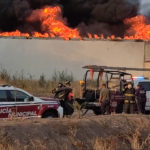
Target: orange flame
(139, 28)
(54, 25)
(37, 34)
(14, 33)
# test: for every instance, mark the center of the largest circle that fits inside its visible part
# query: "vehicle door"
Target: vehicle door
(146, 86)
(7, 106)
(25, 105)
(116, 96)
(117, 101)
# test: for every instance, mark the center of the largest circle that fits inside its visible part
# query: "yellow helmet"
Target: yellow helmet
(81, 82)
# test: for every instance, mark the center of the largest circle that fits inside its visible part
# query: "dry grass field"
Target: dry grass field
(114, 132)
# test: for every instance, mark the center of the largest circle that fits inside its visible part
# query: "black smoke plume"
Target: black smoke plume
(93, 16)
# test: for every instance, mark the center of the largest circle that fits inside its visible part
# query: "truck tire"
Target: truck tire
(97, 110)
(50, 113)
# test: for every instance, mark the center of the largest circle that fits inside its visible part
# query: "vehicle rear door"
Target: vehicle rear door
(7, 105)
(24, 107)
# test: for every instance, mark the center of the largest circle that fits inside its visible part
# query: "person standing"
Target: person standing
(104, 99)
(125, 88)
(129, 101)
(140, 99)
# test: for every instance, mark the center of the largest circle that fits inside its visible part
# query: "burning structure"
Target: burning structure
(73, 19)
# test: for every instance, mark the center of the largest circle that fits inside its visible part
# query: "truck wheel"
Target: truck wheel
(52, 113)
(147, 112)
(97, 110)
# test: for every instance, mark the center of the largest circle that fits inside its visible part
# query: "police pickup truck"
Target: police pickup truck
(19, 103)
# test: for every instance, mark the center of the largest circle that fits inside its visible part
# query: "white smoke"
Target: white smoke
(145, 7)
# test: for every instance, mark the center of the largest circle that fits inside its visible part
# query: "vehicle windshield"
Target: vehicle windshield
(91, 82)
(115, 82)
(146, 85)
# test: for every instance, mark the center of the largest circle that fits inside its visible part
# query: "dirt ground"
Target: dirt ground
(114, 132)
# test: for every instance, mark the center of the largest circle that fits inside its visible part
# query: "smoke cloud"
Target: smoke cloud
(99, 16)
(145, 8)
(93, 16)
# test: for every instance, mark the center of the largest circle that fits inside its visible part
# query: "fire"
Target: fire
(54, 25)
(139, 27)
(14, 33)
(138, 30)
(90, 36)
(37, 34)
(45, 10)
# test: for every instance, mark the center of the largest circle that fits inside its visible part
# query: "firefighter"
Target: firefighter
(70, 90)
(68, 99)
(65, 94)
(123, 84)
(125, 88)
(68, 84)
(140, 98)
(129, 101)
(104, 99)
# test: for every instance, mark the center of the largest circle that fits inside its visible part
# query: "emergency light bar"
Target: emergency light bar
(138, 78)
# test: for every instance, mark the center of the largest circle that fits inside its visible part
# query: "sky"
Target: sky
(145, 7)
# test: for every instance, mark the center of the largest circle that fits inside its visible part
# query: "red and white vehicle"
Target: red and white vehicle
(17, 102)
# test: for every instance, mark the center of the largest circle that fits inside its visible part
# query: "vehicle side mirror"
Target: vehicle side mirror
(29, 99)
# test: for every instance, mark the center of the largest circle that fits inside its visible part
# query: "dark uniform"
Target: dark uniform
(125, 88)
(63, 93)
(140, 99)
(105, 102)
(129, 101)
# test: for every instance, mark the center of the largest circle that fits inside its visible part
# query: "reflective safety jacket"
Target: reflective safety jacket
(129, 96)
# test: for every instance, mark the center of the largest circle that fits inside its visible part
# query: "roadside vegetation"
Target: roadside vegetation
(38, 87)
(116, 132)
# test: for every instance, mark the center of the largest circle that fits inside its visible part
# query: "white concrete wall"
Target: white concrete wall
(147, 51)
(44, 56)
